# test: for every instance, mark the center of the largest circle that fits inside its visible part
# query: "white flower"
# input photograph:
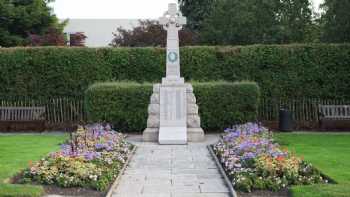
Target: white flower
(93, 177)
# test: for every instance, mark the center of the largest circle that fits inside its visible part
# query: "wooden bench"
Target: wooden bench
(12, 118)
(332, 114)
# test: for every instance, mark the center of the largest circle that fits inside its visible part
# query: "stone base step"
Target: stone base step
(193, 135)
(172, 135)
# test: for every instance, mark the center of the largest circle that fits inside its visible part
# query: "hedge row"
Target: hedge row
(221, 104)
(123, 104)
(321, 70)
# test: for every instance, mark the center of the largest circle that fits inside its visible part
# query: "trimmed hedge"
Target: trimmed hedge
(303, 70)
(62, 71)
(125, 104)
(222, 104)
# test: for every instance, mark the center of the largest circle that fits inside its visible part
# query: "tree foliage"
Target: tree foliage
(78, 39)
(149, 33)
(336, 21)
(240, 22)
(294, 21)
(52, 37)
(196, 11)
(21, 18)
(255, 21)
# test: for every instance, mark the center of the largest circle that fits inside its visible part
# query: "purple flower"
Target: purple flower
(90, 155)
(66, 150)
(249, 155)
(109, 148)
(108, 127)
(99, 146)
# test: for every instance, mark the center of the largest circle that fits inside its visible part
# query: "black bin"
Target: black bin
(285, 120)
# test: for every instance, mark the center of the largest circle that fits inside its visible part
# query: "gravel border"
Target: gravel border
(222, 171)
(117, 180)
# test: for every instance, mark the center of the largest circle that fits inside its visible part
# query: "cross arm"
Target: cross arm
(163, 20)
(182, 20)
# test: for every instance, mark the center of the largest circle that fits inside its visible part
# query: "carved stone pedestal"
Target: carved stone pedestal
(173, 113)
(192, 125)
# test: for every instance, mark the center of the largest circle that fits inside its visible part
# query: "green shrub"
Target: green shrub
(302, 70)
(125, 104)
(222, 104)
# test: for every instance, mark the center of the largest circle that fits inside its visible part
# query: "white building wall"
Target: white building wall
(98, 31)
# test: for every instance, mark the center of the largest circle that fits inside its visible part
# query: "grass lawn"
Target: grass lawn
(15, 153)
(330, 153)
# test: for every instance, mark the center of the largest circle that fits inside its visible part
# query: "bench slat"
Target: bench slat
(22, 113)
(335, 111)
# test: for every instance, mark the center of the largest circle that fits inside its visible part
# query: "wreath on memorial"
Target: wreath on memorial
(172, 56)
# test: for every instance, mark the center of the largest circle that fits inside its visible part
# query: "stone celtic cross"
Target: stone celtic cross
(172, 22)
(173, 116)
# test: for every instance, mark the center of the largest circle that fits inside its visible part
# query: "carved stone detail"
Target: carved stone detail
(155, 98)
(193, 121)
(191, 98)
(153, 121)
(192, 109)
(153, 109)
(195, 132)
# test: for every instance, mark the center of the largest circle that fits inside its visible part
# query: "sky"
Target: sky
(115, 9)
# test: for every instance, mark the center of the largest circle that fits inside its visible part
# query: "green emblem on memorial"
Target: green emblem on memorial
(172, 57)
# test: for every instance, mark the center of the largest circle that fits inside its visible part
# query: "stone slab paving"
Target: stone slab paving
(172, 171)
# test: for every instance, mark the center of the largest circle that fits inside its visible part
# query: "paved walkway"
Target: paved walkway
(172, 171)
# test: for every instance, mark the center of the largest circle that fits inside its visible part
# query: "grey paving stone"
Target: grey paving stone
(213, 187)
(131, 189)
(194, 188)
(200, 195)
(156, 189)
(172, 171)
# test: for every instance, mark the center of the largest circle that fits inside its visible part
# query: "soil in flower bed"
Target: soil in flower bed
(54, 190)
(72, 191)
(265, 193)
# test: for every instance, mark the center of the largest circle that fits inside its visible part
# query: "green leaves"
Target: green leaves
(336, 21)
(123, 104)
(307, 70)
(234, 22)
(196, 11)
(18, 19)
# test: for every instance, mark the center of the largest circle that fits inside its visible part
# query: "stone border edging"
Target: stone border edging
(116, 182)
(222, 171)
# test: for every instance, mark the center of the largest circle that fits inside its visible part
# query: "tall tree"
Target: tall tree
(241, 22)
(196, 11)
(336, 21)
(21, 18)
(149, 33)
(295, 20)
(257, 21)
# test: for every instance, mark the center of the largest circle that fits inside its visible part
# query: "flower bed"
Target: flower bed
(253, 161)
(92, 158)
